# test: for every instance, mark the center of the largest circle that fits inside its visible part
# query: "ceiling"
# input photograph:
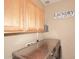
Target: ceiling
(48, 2)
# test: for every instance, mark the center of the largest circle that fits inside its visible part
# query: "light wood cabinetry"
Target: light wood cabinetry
(22, 16)
(13, 18)
(29, 17)
(40, 20)
(35, 18)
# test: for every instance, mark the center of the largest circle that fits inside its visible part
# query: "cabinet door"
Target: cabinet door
(39, 20)
(13, 21)
(30, 17)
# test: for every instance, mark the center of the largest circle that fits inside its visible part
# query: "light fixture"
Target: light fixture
(48, 2)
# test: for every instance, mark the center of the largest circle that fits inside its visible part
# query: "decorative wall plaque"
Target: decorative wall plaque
(64, 14)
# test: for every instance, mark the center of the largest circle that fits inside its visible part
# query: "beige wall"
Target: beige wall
(15, 42)
(62, 29)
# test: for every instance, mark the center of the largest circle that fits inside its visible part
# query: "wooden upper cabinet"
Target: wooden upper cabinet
(40, 20)
(22, 16)
(13, 18)
(34, 17)
(30, 17)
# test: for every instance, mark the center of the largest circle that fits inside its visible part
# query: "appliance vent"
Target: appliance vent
(48, 2)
